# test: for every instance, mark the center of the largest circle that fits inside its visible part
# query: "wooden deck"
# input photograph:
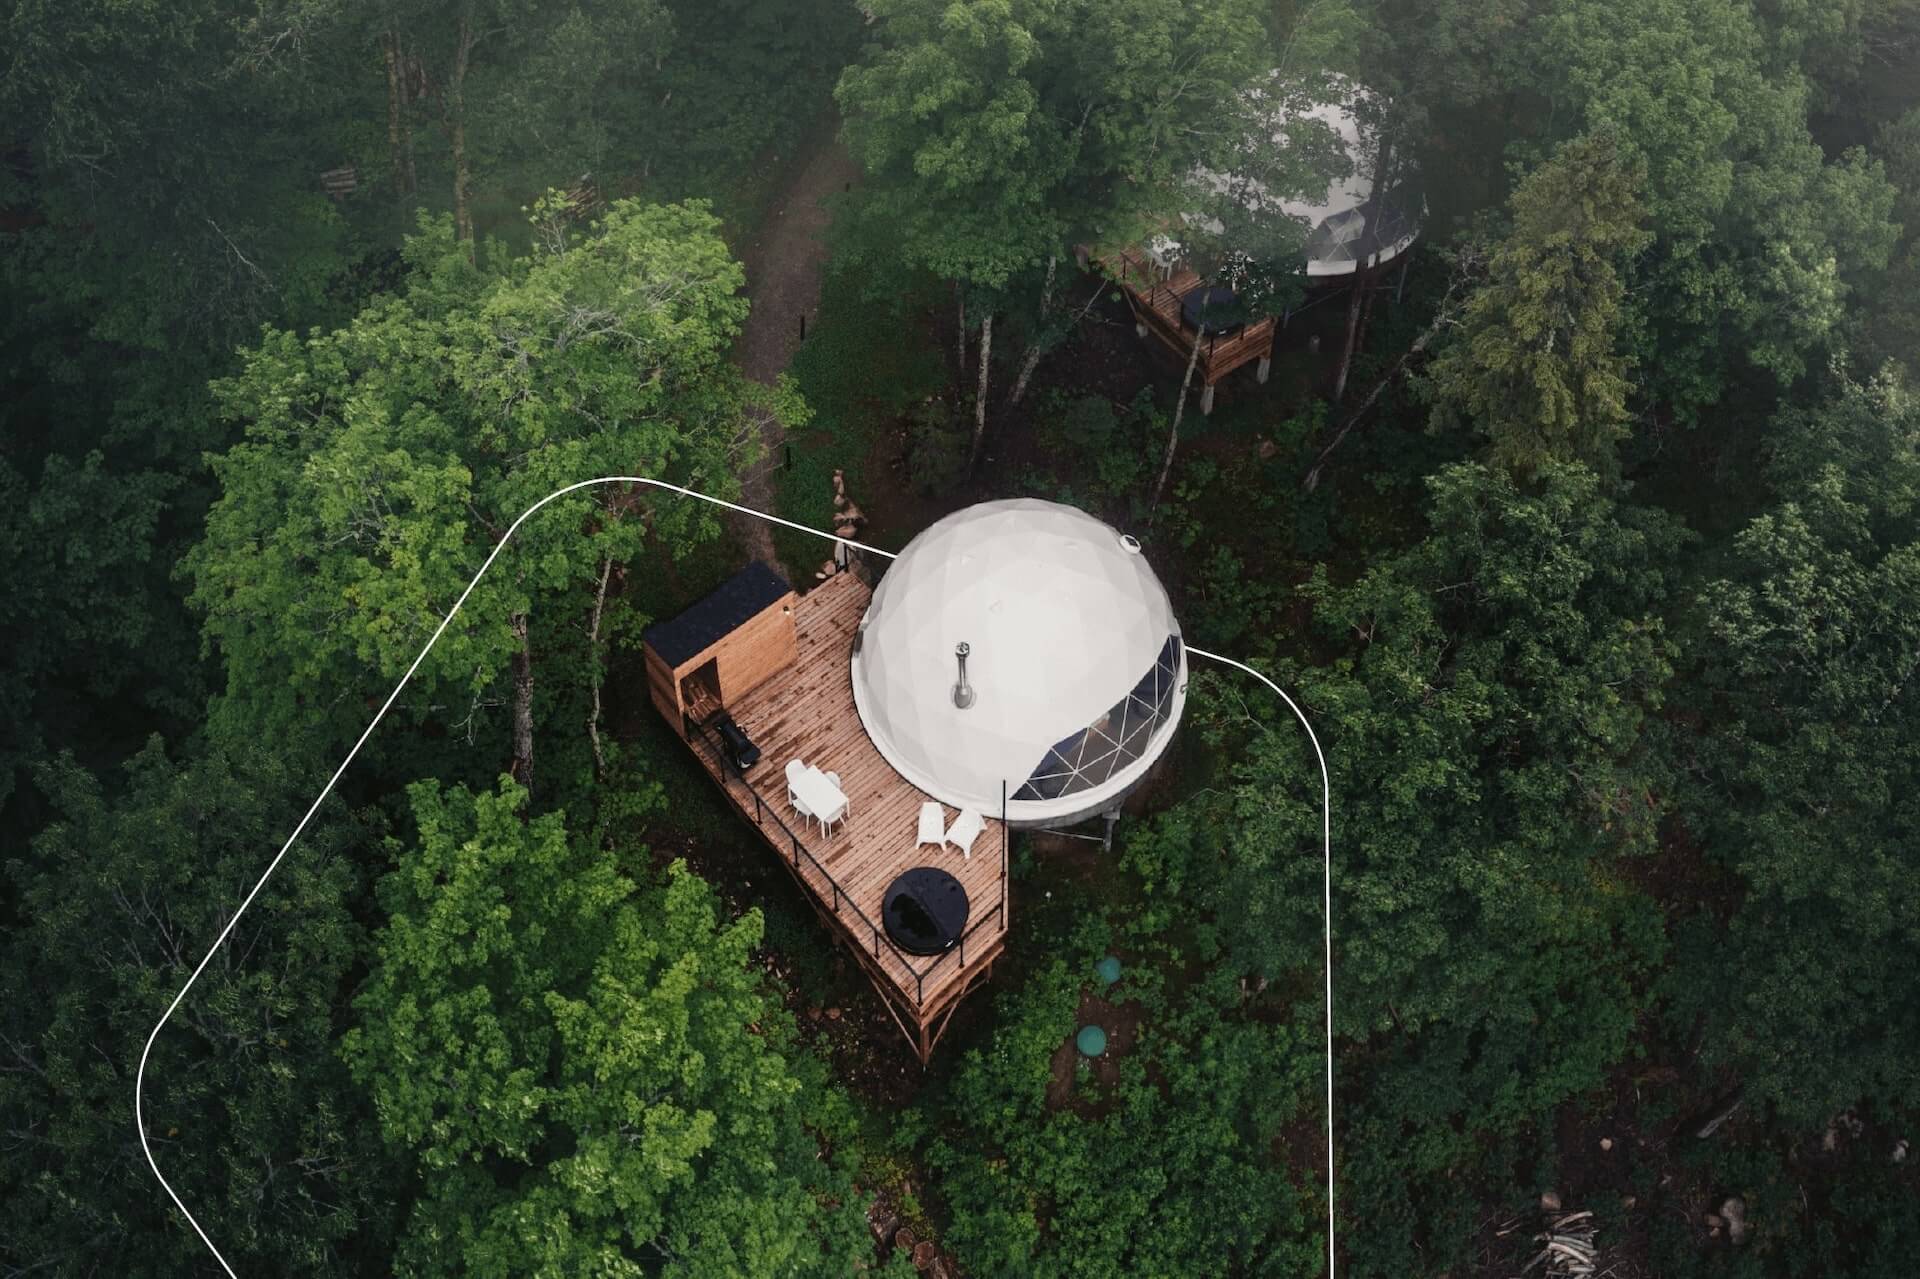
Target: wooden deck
(806, 712)
(1155, 302)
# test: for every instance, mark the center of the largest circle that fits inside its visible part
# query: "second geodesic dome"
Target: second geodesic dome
(1075, 662)
(1353, 218)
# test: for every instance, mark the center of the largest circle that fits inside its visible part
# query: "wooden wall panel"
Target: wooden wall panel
(759, 650)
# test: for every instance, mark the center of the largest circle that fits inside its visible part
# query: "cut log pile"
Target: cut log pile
(340, 183)
(583, 198)
(890, 1234)
(848, 520)
(1567, 1247)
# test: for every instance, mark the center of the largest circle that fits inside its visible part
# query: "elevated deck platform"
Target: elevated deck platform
(805, 711)
(1154, 298)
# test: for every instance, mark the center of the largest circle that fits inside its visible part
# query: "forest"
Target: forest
(1585, 533)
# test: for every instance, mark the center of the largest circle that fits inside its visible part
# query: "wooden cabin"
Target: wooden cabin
(778, 665)
(1155, 293)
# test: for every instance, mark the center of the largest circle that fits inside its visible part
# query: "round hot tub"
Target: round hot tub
(924, 911)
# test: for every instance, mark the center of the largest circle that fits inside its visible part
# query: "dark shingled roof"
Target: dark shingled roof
(736, 601)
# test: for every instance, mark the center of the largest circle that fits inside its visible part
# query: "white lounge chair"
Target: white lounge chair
(965, 829)
(933, 825)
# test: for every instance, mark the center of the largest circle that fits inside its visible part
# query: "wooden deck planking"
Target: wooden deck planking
(807, 713)
(1156, 303)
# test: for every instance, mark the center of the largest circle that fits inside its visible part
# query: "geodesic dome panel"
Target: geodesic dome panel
(1074, 660)
(1351, 220)
(1085, 760)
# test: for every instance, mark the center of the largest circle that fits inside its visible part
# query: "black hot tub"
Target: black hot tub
(924, 911)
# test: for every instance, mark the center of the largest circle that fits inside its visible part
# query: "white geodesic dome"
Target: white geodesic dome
(1347, 222)
(1075, 661)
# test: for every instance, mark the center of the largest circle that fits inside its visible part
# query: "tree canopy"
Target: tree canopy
(585, 1072)
(384, 460)
(1599, 596)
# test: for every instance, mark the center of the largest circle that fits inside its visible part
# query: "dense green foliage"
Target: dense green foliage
(1535, 368)
(1807, 785)
(586, 1075)
(1598, 581)
(384, 461)
(247, 1108)
(1167, 1170)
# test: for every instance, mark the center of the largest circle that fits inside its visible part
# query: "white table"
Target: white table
(822, 799)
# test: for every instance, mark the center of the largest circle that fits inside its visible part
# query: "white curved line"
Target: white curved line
(140, 1075)
(1326, 904)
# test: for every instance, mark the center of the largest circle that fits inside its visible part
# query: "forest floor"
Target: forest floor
(783, 263)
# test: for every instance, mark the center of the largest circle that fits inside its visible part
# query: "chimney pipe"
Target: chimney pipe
(962, 691)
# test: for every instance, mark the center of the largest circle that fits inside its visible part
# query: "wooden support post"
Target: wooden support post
(1206, 399)
(1265, 367)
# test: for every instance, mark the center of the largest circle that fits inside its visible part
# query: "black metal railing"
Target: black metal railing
(999, 911)
(796, 851)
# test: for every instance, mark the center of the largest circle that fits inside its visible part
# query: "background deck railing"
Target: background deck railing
(1151, 283)
(1158, 306)
(764, 808)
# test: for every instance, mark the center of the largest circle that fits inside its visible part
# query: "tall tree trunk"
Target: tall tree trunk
(456, 108)
(1353, 331)
(1448, 311)
(960, 334)
(1026, 374)
(1173, 436)
(522, 703)
(395, 124)
(593, 663)
(980, 396)
(1038, 345)
(1363, 270)
(1366, 308)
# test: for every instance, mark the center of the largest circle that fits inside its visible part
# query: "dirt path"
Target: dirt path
(783, 282)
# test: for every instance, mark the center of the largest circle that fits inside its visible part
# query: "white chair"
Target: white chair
(965, 829)
(933, 825)
(795, 769)
(833, 779)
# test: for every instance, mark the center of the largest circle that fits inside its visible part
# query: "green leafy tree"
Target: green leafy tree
(512, 86)
(1808, 773)
(161, 201)
(996, 135)
(1484, 716)
(84, 627)
(1758, 238)
(385, 460)
(1890, 325)
(171, 196)
(1168, 1171)
(249, 1113)
(1535, 366)
(587, 1072)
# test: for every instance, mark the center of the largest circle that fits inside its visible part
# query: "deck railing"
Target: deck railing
(1159, 308)
(796, 851)
(1135, 271)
